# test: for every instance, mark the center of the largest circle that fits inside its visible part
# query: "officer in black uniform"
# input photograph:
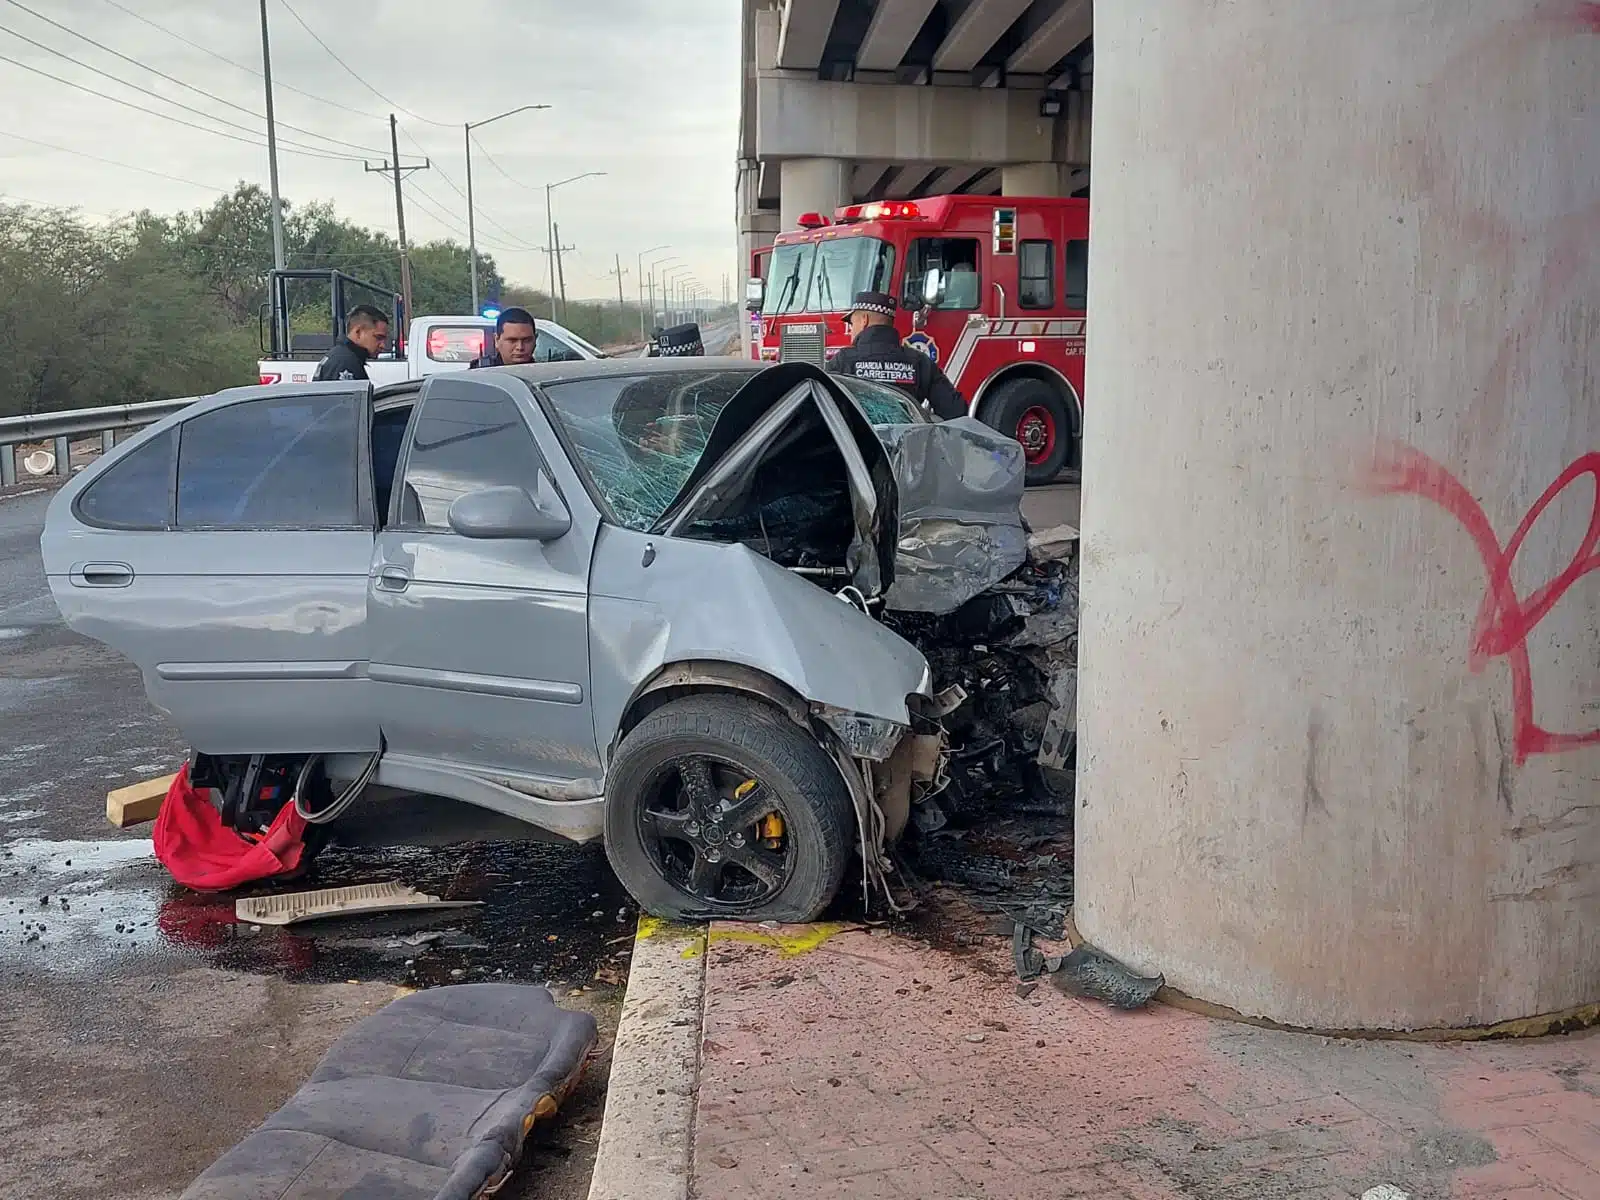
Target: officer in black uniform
(878, 354)
(365, 331)
(680, 341)
(515, 339)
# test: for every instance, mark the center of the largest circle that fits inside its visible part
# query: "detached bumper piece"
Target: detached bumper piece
(431, 1098)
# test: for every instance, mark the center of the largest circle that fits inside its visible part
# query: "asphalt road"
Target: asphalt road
(142, 1030)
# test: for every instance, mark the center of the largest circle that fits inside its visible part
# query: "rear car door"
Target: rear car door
(480, 646)
(225, 551)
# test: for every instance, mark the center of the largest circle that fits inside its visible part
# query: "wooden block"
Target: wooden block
(138, 802)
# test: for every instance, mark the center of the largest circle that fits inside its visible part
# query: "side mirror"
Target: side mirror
(509, 512)
(755, 291)
(933, 288)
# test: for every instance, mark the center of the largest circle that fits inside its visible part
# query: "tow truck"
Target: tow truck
(429, 346)
(992, 288)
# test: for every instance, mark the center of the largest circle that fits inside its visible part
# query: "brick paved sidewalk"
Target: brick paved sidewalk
(876, 1067)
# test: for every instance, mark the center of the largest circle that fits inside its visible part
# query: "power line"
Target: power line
(234, 137)
(143, 66)
(527, 186)
(478, 209)
(298, 147)
(437, 210)
(222, 58)
(111, 162)
(352, 72)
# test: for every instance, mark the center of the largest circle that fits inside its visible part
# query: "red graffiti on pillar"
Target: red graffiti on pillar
(1505, 619)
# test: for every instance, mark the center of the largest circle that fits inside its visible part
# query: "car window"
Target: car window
(638, 437)
(1036, 281)
(957, 260)
(134, 492)
(456, 343)
(883, 405)
(584, 344)
(1077, 276)
(280, 463)
(547, 347)
(467, 437)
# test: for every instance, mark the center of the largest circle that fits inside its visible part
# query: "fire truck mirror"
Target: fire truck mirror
(933, 287)
(754, 292)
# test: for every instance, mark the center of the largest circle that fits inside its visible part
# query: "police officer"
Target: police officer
(515, 337)
(878, 354)
(680, 341)
(365, 332)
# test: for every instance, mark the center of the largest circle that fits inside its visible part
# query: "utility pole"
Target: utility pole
(272, 145)
(619, 273)
(561, 275)
(400, 172)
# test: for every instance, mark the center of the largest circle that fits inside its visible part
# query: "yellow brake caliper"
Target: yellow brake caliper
(770, 827)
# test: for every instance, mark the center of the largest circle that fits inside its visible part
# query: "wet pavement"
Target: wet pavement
(79, 898)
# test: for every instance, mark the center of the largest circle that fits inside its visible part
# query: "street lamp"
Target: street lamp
(639, 279)
(656, 263)
(669, 278)
(472, 228)
(550, 228)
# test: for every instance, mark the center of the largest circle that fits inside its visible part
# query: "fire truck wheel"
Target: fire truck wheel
(1034, 413)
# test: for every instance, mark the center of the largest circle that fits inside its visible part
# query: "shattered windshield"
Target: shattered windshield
(884, 405)
(640, 436)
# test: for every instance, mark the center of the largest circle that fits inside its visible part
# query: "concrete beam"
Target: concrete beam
(866, 178)
(908, 182)
(948, 180)
(1055, 36)
(986, 185)
(804, 33)
(808, 118)
(976, 31)
(895, 25)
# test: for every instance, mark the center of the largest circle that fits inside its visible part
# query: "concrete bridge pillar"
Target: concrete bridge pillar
(1339, 707)
(812, 185)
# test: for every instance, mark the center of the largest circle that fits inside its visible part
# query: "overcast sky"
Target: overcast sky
(646, 90)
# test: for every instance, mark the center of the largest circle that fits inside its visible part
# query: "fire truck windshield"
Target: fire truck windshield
(825, 276)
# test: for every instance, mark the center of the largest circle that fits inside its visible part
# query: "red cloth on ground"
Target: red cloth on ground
(202, 853)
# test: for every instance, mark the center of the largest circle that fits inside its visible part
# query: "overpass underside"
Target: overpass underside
(853, 100)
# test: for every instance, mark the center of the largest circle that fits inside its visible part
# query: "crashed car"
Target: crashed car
(649, 600)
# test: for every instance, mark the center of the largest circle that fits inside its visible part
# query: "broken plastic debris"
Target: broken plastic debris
(288, 907)
(1094, 975)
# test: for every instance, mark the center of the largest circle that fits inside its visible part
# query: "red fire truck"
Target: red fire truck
(992, 288)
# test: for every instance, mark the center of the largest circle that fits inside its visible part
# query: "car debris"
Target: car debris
(362, 899)
(1094, 975)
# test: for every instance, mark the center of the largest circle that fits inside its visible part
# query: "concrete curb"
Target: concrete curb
(647, 1138)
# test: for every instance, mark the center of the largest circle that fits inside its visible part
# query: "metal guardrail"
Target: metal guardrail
(62, 427)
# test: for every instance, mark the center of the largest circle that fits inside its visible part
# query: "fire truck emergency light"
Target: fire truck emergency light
(879, 210)
(1005, 231)
(812, 220)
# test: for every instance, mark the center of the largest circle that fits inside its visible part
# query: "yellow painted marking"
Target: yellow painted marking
(788, 944)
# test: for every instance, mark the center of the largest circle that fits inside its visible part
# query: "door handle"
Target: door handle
(103, 574)
(394, 579)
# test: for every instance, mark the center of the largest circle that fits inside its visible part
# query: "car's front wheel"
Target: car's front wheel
(721, 807)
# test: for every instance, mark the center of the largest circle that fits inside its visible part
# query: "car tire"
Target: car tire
(663, 854)
(1035, 413)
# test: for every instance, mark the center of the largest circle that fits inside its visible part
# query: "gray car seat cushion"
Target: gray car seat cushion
(429, 1098)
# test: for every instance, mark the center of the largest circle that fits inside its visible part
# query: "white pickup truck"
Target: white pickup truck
(433, 344)
(438, 344)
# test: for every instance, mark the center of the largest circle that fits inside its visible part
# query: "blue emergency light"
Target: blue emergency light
(490, 312)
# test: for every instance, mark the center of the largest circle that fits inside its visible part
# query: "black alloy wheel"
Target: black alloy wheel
(721, 807)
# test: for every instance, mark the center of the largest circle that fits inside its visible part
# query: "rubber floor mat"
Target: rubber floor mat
(429, 1098)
